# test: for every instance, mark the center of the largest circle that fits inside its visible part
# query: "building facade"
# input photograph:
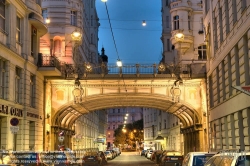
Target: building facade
(184, 57)
(21, 85)
(162, 131)
(70, 44)
(117, 116)
(227, 25)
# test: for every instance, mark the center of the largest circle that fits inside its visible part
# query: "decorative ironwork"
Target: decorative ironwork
(45, 60)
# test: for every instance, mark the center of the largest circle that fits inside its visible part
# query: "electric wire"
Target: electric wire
(111, 29)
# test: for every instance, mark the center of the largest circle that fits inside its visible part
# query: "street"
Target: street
(131, 159)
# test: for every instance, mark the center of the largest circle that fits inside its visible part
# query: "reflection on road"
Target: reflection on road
(130, 159)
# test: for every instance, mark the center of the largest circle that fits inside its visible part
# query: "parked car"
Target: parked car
(197, 158)
(155, 156)
(229, 158)
(104, 157)
(109, 155)
(92, 158)
(143, 152)
(170, 158)
(149, 153)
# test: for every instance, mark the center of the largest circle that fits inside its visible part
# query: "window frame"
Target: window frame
(73, 17)
(176, 22)
(18, 29)
(3, 15)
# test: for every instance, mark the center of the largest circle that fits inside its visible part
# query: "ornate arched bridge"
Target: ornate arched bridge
(67, 99)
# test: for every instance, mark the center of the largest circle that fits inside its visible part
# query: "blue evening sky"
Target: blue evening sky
(135, 43)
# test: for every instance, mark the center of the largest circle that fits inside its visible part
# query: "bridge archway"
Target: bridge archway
(65, 113)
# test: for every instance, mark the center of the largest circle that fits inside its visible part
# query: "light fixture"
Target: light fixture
(104, 0)
(47, 21)
(76, 35)
(144, 23)
(125, 121)
(179, 36)
(127, 114)
(125, 117)
(119, 63)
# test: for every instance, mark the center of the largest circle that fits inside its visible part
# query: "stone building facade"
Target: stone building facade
(227, 25)
(21, 85)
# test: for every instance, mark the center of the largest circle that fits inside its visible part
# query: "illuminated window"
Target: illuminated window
(18, 29)
(202, 52)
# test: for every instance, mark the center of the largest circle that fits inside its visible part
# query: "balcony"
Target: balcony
(49, 65)
(37, 21)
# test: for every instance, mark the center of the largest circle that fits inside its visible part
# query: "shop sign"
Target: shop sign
(33, 115)
(11, 111)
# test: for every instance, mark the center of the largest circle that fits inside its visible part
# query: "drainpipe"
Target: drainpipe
(44, 113)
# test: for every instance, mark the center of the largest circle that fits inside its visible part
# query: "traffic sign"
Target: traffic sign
(14, 129)
(14, 121)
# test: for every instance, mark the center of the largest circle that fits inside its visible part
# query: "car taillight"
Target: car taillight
(167, 158)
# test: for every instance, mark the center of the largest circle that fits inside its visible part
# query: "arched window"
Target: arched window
(202, 51)
(57, 47)
(176, 22)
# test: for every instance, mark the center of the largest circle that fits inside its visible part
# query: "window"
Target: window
(3, 74)
(176, 22)
(57, 47)
(160, 126)
(243, 5)
(32, 90)
(168, 45)
(2, 15)
(167, 2)
(167, 21)
(113, 126)
(18, 29)
(91, 38)
(18, 85)
(73, 18)
(202, 52)
(189, 25)
(91, 21)
(165, 123)
(45, 14)
(33, 40)
(92, 3)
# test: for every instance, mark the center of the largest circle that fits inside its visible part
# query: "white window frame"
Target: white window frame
(176, 23)
(202, 52)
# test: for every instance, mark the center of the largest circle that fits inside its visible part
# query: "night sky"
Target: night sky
(135, 43)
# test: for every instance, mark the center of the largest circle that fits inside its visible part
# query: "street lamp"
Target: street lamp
(144, 23)
(104, 0)
(119, 63)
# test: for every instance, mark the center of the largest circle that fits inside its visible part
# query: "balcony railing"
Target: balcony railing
(197, 69)
(45, 60)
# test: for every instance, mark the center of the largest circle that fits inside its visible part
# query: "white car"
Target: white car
(230, 158)
(109, 155)
(149, 154)
(196, 158)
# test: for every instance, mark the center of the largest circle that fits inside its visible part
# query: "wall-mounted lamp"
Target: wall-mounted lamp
(104, 0)
(144, 23)
(47, 20)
